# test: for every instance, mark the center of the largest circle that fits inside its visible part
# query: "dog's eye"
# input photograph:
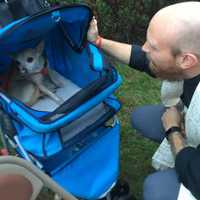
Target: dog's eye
(30, 59)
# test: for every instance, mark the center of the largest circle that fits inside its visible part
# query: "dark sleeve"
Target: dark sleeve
(187, 166)
(139, 60)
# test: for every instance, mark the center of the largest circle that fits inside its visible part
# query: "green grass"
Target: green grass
(136, 152)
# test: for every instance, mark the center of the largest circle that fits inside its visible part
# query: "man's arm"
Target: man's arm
(120, 51)
(187, 159)
(177, 142)
(172, 118)
(131, 55)
(187, 165)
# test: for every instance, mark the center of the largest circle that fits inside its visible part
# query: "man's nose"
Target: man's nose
(145, 47)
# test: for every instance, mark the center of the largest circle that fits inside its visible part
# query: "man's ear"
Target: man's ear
(187, 60)
(40, 47)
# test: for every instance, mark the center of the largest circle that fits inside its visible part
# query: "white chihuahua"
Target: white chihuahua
(31, 63)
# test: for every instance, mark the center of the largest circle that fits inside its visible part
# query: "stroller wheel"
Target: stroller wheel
(121, 191)
(121, 188)
(126, 197)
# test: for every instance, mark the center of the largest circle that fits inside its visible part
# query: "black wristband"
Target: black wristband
(171, 130)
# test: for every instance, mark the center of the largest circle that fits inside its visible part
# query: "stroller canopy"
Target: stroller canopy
(72, 21)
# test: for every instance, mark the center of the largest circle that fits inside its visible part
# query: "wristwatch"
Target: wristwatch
(172, 130)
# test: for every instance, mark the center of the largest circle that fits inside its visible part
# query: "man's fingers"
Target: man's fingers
(93, 30)
(93, 22)
(171, 109)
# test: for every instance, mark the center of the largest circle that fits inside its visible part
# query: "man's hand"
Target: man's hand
(120, 51)
(93, 32)
(171, 117)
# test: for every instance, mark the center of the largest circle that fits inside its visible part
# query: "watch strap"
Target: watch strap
(172, 130)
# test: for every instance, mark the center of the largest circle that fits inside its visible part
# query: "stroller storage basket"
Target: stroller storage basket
(75, 145)
(96, 169)
(49, 143)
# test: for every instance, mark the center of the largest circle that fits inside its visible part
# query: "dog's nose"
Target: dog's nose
(29, 59)
(23, 70)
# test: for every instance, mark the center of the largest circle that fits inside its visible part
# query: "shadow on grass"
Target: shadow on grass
(136, 151)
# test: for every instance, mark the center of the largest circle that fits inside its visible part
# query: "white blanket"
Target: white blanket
(170, 96)
(163, 157)
(67, 90)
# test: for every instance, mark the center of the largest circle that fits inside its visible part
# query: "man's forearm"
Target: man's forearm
(120, 51)
(177, 142)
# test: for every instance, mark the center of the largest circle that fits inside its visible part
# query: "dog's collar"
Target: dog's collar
(43, 71)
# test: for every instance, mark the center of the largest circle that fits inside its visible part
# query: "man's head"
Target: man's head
(173, 41)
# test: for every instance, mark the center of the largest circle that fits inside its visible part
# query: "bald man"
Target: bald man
(172, 52)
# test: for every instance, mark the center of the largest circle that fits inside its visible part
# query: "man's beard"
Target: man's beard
(173, 75)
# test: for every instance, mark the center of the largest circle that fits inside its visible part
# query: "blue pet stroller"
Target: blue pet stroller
(76, 143)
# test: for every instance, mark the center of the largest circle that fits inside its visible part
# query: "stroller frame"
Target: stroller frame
(16, 166)
(61, 143)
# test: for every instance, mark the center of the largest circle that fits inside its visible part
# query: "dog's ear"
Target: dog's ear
(40, 47)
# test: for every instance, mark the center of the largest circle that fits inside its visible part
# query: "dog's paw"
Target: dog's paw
(49, 84)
